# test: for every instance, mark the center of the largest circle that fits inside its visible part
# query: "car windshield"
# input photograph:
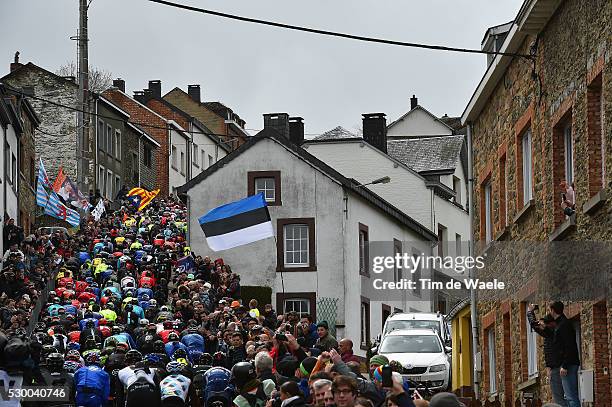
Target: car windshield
(412, 324)
(411, 344)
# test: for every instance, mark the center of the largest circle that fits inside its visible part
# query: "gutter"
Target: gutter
(473, 308)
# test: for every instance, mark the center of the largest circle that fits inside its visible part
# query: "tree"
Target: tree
(99, 79)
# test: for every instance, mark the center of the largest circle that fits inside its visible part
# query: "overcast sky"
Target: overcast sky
(257, 69)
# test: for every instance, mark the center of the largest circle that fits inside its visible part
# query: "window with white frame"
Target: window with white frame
(488, 212)
(182, 163)
(100, 135)
(491, 356)
(109, 184)
(296, 245)
(364, 245)
(267, 186)
(195, 155)
(299, 305)
(569, 153)
(458, 244)
(101, 179)
(203, 159)
(109, 139)
(117, 184)
(457, 190)
(527, 169)
(174, 158)
(117, 149)
(532, 350)
(210, 160)
(365, 324)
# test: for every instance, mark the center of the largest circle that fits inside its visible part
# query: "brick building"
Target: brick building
(220, 119)
(535, 123)
(155, 126)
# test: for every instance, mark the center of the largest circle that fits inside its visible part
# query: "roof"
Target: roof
(113, 106)
(337, 133)
(30, 65)
(495, 30)
(346, 183)
(454, 123)
(531, 18)
(221, 110)
(457, 308)
(418, 107)
(139, 129)
(427, 154)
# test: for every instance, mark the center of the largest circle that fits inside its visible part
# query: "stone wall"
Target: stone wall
(573, 70)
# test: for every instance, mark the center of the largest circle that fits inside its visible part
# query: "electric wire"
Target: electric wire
(335, 33)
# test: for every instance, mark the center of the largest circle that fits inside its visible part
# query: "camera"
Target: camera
(281, 337)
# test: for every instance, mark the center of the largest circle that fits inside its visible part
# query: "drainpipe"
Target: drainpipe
(473, 309)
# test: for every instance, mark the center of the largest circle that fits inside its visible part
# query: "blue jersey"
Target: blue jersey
(92, 386)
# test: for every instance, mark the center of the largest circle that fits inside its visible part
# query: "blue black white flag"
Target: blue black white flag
(237, 223)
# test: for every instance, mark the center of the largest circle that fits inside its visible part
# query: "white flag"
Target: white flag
(98, 210)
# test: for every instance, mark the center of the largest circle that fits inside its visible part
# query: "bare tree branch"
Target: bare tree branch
(99, 79)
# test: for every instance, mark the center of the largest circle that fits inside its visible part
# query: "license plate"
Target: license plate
(415, 378)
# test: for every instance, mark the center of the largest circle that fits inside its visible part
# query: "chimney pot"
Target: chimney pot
(414, 102)
(375, 130)
(194, 92)
(15, 64)
(155, 88)
(119, 84)
(278, 122)
(296, 130)
(139, 95)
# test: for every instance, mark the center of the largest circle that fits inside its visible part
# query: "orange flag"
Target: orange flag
(61, 177)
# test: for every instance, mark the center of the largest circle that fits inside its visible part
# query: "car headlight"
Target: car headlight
(437, 368)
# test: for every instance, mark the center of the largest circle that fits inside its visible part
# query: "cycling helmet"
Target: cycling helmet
(180, 353)
(55, 362)
(205, 359)
(47, 350)
(133, 356)
(143, 322)
(159, 346)
(152, 358)
(92, 358)
(74, 346)
(73, 355)
(174, 367)
(71, 366)
(173, 336)
(219, 359)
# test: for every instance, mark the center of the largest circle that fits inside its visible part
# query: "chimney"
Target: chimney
(375, 130)
(155, 88)
(139, 95)
(119, 84)
(278, 122)
(194, 92)
(414, 102)
(296, 130)
(15, 64)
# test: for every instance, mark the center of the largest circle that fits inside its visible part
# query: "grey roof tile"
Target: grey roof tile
(337, 133)
(427, 154)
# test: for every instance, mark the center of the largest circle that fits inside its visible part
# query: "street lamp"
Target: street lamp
(383, 180)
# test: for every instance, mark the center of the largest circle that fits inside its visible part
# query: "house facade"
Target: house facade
(323, 222)
(535, 123)
(427, 179)
(220, 119)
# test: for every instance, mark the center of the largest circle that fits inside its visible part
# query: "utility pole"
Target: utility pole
(82, 147)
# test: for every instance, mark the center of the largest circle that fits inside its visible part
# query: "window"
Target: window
(117, 184)
(568, 149)
(182, 163)
(117, 148)
(109, 184)
(296, 244)
(195, 155)
(301, 302)
(14, 169)
(488, 212)
(210, 160)
(364, 250)
(268, 182)
(174, 159)
(526, 170)
(532, 350)
(100, 135)
(135, 168)
(365, 323)
(457, 244)
(266, 185)
(457, 190)
(491, 358)
(101, 179)
(109, 139)
(397, 250)
(148, 156)
(203, 159)
(442, 240)
(299, 305)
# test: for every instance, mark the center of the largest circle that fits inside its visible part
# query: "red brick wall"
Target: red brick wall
(595, 135)
(154, 125)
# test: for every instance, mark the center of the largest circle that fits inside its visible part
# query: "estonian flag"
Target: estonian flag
(237, 223)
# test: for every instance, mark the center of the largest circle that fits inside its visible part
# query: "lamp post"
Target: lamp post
(382, 180)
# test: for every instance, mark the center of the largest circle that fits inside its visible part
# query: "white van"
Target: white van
(418, 320)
